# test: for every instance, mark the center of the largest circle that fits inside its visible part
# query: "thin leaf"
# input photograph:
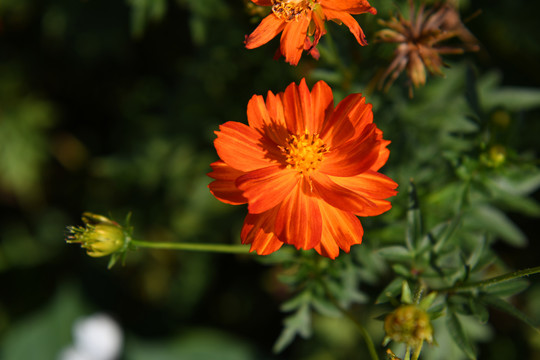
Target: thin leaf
(406, 294)
(471, 93)
(390, 291)
(478, 310)
(426, 302)
(395, 253)
(325, 307)
(414, 221)
(437, 311)
(514, 201)
(298, 323)
(497, 223)
(513, 98)
(401, 270)
(508, 288)
(299, 300)
(477, 252)
(458, 335)
(519, 183)
(449, 230)
(509, 309)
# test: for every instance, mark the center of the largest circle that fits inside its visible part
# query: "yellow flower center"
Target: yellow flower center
(304, 153)
(289, 10)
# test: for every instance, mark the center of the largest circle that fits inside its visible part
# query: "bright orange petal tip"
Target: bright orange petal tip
(305, 168)
(302, 24)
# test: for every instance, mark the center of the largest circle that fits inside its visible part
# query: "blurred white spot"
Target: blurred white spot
(96, 337)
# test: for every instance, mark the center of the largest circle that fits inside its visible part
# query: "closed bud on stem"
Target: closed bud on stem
(100, 236)
(409, 324)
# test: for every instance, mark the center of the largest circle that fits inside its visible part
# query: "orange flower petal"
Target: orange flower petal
(269, 28)
(224, 188)
(260, 119)
(274, 105)
(350, 6)
(240, 146)
(370, 183)
(341, 229)
(353, 157)
(322, 101)
(297, 109)
(384, 153)
(258, 230)
(348, 120)
(293, 38)
(267, 187)
(320, 29)
(299, 220)
(262, 2)
(349, 21)
(309, 123)
(339, 196)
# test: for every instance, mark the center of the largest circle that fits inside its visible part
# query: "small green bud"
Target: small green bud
(501, 118)
(100, 236)
(495, 156)
(409, 324)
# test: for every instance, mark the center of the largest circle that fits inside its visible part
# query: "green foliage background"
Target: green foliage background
(110, 107)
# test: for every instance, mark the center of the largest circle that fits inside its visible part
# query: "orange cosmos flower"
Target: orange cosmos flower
(301, 19)
(305, 169)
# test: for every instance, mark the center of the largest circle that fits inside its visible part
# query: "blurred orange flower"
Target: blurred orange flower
(301, 20)
(305, 169)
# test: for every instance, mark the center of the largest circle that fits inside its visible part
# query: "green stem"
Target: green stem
(492, 281)
(221, 248)
(365, 335)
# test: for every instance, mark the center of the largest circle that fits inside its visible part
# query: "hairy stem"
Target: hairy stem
(495, 280)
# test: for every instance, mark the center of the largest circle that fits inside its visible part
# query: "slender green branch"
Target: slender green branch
(492, 281)
(365, 335)
(222, 248)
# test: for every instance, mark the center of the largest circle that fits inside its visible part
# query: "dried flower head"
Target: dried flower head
(419, 42)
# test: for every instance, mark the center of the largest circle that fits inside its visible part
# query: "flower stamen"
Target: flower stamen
(304, 153)
(290, 10)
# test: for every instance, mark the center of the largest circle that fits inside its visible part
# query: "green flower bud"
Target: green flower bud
(409, 324)
(100, 236)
